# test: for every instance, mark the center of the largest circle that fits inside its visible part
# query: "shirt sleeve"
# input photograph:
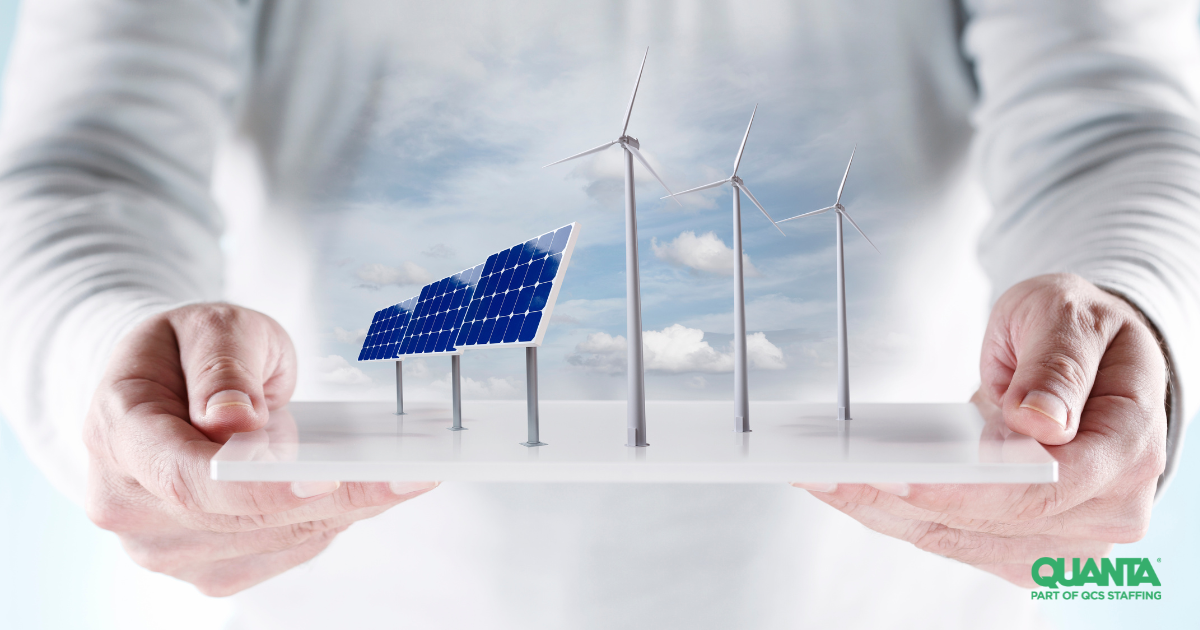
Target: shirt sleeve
(112, 113)
(1089, 145)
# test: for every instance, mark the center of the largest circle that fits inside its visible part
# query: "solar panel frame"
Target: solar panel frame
(462, 310)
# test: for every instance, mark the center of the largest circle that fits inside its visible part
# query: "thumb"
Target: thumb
(229, 355)
(1056, 367)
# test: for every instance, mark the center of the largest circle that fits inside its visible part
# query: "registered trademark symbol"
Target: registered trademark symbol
(1160, 559)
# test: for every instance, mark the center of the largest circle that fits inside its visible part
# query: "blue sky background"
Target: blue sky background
(58, 571)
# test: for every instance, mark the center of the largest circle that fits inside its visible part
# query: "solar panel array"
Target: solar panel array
(504, 301)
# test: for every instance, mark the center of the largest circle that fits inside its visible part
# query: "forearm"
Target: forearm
(1089, 146)
(112, 111)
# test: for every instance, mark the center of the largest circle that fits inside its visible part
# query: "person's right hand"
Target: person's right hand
(175, 389)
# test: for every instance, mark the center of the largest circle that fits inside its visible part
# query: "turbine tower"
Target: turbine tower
(636, 429)
(843, 359)
(741, 400)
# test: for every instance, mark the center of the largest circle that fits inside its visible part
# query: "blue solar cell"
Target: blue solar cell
(490, 263)
(492, 282)
(514, 256)
(505, 280)
(456, 298)
(427, 324)
(461, 338)
(478, 273)
(527, 251)
(543, 245)
(484, 306)
(378, 315)
(541, 294)
(473, 330)
(551, 268)
(529, 329)
(560, 240)
(406, 345)
(439, 322)
(514, 328)
(424, 292)
(443, 341)
(472, 309)
(427, 343)
(510, 302)
(494, 308)
(518, 277)
(535, 272)
(523, 299)
(459, 315)
(485, 332)
(498, 331)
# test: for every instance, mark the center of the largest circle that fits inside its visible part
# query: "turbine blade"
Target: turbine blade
(738, 161)
(629, 110)
(764, 211)
(579, 155)
(808, 214)
(692, 190)
(845, 175)
(638, 154)
(864, 234)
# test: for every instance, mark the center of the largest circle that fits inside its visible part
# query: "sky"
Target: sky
(451, 169)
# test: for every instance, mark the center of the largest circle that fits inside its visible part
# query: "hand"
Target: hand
(1081, 371)
(175, 389)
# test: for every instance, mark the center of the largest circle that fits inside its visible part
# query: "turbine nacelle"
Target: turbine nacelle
(629, 141)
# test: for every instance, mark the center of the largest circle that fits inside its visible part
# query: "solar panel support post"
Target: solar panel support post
(741, 400)
(531, 396)
(399, 387)
(456, 391)
(636, 415)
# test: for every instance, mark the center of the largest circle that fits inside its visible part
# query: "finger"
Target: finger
(237, 364)
(349, 498)
(1058, 342)
(1121, 517)
(180, 549)
(227, 577)
(964, 545)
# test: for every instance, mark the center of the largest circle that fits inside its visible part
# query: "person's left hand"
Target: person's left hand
(1080, 370)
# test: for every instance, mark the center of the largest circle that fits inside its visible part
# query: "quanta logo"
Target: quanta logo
(1115, 571)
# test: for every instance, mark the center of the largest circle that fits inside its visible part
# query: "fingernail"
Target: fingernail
(1048, 405)
(408, 487)
(227, 398)
(898, 489)
(817, 487)
(307, 489)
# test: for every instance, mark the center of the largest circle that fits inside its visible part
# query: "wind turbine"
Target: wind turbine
(741, 401)
(843, 368)
(636, 428)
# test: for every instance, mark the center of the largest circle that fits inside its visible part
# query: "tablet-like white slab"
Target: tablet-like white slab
(689, 442)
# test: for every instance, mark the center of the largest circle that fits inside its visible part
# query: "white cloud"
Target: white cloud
(352, 337)
(674, 349)
(702, 253)
(441, 250)
(335, 370)
(408, 273)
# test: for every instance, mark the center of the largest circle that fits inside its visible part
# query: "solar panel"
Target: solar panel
(505, 301)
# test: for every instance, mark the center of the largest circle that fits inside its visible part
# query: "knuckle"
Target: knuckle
(1065, 369)
(172, 479)
(1037, 501)
(942, 540)
(107, 514)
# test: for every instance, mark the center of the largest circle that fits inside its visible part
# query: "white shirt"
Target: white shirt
(157, 154)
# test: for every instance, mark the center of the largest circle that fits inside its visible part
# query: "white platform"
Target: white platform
(689, 442)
